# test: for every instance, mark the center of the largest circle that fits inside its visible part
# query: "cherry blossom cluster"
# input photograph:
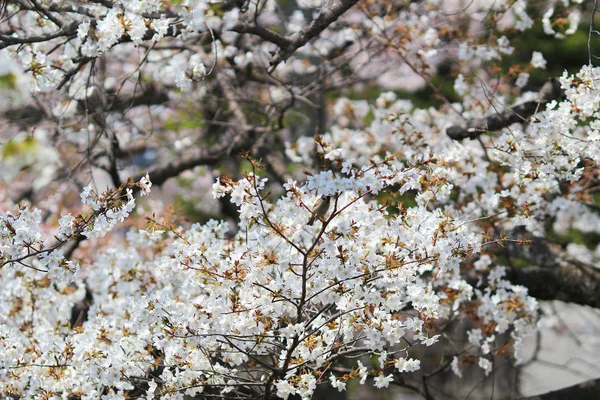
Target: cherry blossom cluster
(411, 243)
(518, 173)
(123, 27)
(271, 308)
(543, 170)
(195, 47)
(22, 242)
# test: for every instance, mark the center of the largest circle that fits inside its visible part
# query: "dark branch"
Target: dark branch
(160, 174)
(520, 113)
(551, 274)
(568, 283)
(589, 390)
(30, 115)
(262, 32)
(318, 25)
(151, 95)
(9, 40)
(242, 138)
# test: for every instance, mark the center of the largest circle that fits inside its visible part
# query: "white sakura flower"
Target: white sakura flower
(460, 86)
(83, 29)
(537, 60)
(337, 384)
(504, 45)
(310, 3)
(161, 27)
(362, 373)
(145, 184)
(278, 94)
(413, 324)
(382, 359)
(475, 336)
(308, 384)
(455, 367)
(485, 348)
(385, 99)
(410, 365)
(290, 185)
(486, 365)
(524, 21)
(383, 381)
(183, 82)
(546, 23)
(430, 341)
(496, 275)
(85, 195)
(136, 27)
(335, 155)
(574, 19)
(197, 67)
(483, 262)
(522, 79)
(347, 168)
(431, 37)
(66, 226)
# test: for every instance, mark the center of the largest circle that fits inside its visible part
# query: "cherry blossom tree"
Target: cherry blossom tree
(446, 223)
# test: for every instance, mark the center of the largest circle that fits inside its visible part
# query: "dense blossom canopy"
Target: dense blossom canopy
(429, 210)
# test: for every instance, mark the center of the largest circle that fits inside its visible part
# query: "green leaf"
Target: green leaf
(8, 81)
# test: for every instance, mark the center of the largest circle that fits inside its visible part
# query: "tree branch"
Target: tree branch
(9, 40)
(318, 25)
(160, 174)
(244, 139)
(552, 274)
(30, 115)
(520, 113)
(262, 32)
(588, 390)
(568, 283)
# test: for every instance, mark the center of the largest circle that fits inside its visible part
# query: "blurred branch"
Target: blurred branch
(243, 137)
(289, 44)
(551, 273)
(568, 280)
(151, 95)
(269, 150)
(588, 390)
(262, 32)
(203, 156)
(30, 115)
(520, 113)
(10, 40)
